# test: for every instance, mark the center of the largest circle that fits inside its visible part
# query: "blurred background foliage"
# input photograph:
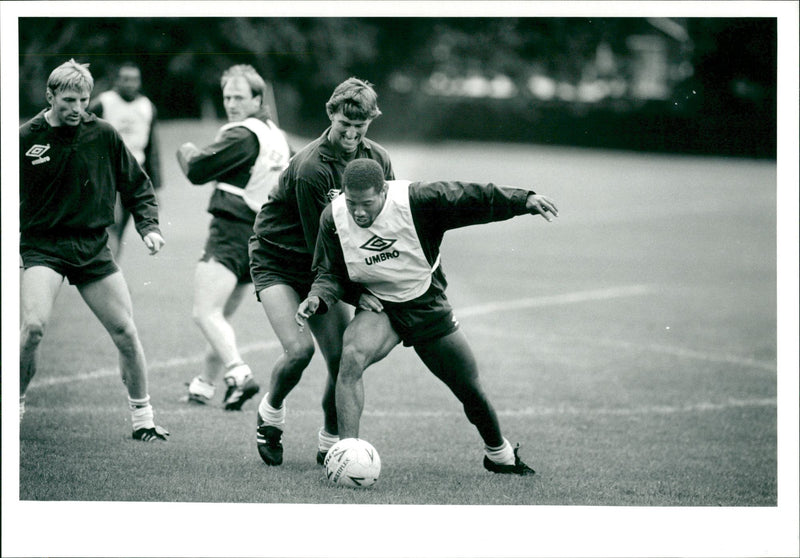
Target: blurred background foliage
(700, 85)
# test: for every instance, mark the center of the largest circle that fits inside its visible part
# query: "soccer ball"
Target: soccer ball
(352, 462)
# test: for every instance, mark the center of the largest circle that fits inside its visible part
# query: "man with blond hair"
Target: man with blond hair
(72, 165)
(243, 162)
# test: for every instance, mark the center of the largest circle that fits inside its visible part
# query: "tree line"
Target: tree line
(733, 61)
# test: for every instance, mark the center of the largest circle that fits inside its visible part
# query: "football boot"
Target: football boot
(150, 434)
(268, 442)
(237, 395)
(518, 468)
(200, 392)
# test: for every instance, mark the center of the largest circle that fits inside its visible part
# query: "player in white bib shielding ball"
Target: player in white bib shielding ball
(386, 236)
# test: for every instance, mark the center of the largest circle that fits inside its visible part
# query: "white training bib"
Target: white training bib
(386, 257)
(131, 119)
(273, 158)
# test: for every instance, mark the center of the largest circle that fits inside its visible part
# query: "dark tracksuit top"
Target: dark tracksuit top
(289, 221)
(228, 160)
(70, 176)
(436, 207)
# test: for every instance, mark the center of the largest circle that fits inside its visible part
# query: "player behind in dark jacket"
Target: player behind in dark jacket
(282, 249)
(386, 236)
(72, 165)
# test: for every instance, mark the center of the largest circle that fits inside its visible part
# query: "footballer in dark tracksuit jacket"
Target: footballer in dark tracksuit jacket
(286, 227)
(436, 207)
(69, 179)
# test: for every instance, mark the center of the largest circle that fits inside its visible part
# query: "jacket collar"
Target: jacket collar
(39, 121)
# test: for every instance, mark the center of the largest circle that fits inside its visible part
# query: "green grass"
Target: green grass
(662, 399)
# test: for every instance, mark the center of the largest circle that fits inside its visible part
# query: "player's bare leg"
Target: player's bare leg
(109, 300)
(451, 359)
(328, 330)
(217, 296)
(39, 288)
(280, 304)
(216, 325)
(368, 339)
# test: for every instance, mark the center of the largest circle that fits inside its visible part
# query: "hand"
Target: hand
(368, 301)
(184, 154)
(306, 309)
(187, 149)
(542, 205)
(154, 242)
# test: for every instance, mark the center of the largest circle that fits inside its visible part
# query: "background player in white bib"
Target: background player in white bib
(386, 236)
(135, 117)
(244, 163)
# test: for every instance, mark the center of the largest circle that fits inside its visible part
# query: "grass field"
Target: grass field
(629, 347)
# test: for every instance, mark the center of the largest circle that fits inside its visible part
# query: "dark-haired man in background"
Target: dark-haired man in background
(134, 116)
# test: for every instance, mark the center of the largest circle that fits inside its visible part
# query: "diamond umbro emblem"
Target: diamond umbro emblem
(378, 244)
(37, 152)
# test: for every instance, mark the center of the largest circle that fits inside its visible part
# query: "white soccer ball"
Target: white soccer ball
(352, 462)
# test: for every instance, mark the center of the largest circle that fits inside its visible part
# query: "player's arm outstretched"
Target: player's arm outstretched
(445, 205)
(238, 147)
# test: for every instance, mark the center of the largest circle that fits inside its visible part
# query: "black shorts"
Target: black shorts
(269, 265)
(81, 258)
(424, 319)
(227, 244)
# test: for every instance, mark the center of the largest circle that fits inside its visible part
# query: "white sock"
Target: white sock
(504, 455)
(326, 440)
(237, 374)
(21, 406)
(270, 415)
(141, 413)
(199, 386)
